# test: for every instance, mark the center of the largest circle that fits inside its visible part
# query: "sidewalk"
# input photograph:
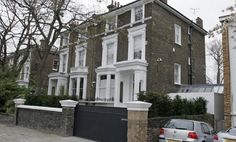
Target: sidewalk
(11, 133)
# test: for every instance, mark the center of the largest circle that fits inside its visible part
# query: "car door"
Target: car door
(206, 130)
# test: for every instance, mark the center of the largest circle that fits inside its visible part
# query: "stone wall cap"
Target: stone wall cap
(68, 103)
(19, 101)
(138, 106)
(40, 108)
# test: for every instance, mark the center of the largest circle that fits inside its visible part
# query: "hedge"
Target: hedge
(47, 100)
(163, 105)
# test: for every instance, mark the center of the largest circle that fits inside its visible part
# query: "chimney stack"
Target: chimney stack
(199, 22)
(165, 1)
(113, 5)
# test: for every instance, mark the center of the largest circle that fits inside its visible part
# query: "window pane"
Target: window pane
(177, 34)
(138, 47)
(111, 23)
(81, 57)
(64, 63)
(55, 64)
(177, 73)
(138, 13)
(110, 53)
(180, 124)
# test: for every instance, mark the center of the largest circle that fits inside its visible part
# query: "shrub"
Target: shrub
(47, 100)
(9, 90)
(163, 105)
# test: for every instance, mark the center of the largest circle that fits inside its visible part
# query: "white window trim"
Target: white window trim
(79, 48)
(106, 40)
(139, 30)
(179, 74)
(64, 51)
(180, 39)
(133, 15)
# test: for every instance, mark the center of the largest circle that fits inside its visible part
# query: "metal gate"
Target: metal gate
(103, 124)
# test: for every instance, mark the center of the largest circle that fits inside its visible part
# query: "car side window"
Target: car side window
(205, 129)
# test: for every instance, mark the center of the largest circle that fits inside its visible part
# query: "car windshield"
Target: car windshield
(180, 124)
(232, 131)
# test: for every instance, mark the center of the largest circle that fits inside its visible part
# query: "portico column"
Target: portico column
(78, 86)
(50, 86)
(85, 88)
(108, 88)
(97, 87)
(58, 87)
(136, 84)
(117, 90)
(70, 87)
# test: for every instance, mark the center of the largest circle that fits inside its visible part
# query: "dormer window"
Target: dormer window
(137, 14)
(111, 23)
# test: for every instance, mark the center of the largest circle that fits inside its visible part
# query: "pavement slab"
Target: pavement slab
(11, 133)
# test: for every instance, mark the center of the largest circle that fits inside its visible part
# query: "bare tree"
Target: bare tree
(215, 52)
(15, 33)
(49, 18)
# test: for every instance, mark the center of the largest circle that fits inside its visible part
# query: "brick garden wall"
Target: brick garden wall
(46, 121)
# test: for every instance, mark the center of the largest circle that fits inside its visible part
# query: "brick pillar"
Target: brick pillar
(17, 103)
(137, 121)
(227, 84)
(68, 110)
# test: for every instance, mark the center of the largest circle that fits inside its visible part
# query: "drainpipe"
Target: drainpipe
(190, 68)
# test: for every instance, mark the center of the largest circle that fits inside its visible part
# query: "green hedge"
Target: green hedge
(47, 100)
(163, 105)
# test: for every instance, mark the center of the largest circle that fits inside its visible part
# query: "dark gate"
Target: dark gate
(104, 124)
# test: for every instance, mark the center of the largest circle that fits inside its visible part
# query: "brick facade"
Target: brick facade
(159, 21)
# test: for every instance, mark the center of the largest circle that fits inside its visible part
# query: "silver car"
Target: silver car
(181, 130)
(229, 134)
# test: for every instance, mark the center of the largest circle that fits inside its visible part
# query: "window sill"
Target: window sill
(177, 84)
(178, 44)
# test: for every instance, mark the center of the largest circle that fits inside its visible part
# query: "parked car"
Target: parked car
(178, 130)
(228, 134)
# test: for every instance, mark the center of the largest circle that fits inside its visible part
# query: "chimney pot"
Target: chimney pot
(199, 22)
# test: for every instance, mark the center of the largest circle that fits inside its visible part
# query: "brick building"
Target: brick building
(229, 54)
(145, 45)
(30, 68)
